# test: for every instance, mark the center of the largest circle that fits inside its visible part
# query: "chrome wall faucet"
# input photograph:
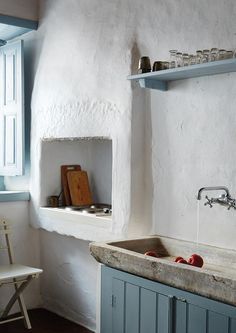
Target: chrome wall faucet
(223, 200)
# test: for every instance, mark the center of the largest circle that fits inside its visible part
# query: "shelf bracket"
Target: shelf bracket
(153, 84)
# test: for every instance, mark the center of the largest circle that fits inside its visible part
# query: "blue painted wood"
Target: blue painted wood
(163, 314)
(8, 196)
(106, 301)
(153, 84)
(8, 32)
(12, 146)
(196, 320)
(217, 323)
(19, 22)
(232, 325)
(2, 186)
(118, 305)
(148, 311)
(180, 317)
(177, 311)
(132, 308)
(180, 73)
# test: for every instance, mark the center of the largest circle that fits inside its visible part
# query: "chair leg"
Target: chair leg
(18, 296)
(24, 312)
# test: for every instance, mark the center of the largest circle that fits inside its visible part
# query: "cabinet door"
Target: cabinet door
(132, 308)
(194, 318)
(138, 309)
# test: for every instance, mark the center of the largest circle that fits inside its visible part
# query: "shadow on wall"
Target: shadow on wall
(141, 157)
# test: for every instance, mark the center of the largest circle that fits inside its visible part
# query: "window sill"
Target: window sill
(8, 196)
(76, 224)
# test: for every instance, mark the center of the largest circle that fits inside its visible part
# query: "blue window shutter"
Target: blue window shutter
(12, 109)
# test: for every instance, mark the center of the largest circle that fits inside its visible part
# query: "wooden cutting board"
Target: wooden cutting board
(66, 199)
(79, 188)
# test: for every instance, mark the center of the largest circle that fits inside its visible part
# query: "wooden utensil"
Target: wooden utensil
(66, 199)
(79, 188)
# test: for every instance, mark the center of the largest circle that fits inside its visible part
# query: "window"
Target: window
(11, 109)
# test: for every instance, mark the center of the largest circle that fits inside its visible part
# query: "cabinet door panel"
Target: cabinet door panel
(232, 326)
(180, 322)
(132, 308)
(217, 323)
(163, 314)
(118, 289)
(197, 319)
(148, 311)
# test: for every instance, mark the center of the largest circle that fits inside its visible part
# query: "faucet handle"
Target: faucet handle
(209, 202)
(232, 204)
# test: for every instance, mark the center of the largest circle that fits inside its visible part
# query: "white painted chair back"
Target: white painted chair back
(5, 243)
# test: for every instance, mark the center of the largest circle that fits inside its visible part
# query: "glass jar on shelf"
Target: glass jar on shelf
(179, 59)
(222, 54)
(198, 56)
(205, 56)
(185, 59)
(166, 65)
(173, 60)
(214, 54)
(192, 59)
(229, 54)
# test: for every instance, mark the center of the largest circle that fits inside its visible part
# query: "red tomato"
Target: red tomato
(178, 258)
(151, 253)
(196, 260)
(182, 261)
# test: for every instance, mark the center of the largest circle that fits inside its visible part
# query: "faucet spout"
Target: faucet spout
(213, 188)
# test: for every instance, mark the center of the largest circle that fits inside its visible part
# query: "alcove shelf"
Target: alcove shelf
(159, 80)
(76, 224)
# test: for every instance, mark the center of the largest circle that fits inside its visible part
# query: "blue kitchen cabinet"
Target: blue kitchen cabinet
(131, 304)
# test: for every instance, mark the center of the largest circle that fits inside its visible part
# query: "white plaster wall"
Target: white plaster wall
(25, 241)
(73, 102)
(165, 145)
(69, 279)
(26, 9)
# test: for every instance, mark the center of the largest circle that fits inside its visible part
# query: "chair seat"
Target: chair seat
(17, 271)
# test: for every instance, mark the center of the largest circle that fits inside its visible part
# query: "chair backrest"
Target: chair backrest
(5, 243)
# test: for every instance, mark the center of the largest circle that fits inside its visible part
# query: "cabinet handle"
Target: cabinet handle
(113, 301)
(170, 313)
(181, 299)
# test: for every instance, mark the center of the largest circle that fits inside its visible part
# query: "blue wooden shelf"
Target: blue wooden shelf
(159, 79)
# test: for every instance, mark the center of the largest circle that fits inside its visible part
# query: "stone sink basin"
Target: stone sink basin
(215, 280)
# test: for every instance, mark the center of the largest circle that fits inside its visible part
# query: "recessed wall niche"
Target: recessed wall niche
(94, 155)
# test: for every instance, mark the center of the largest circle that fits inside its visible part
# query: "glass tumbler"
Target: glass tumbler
(229, 55)
(205, 56)
(166, 65)
(222, 54)
(185, 59)
(173, 60)
(179, 59)
(192, 59)
(198, 57)
(214, 54)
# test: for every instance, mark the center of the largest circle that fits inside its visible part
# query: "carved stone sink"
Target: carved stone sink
(216, 279)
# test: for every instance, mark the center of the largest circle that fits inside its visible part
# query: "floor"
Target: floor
(44, 321)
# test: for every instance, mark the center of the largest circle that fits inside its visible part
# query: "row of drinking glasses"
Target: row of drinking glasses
(179, 59)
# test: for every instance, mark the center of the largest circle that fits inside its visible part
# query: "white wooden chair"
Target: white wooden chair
(17, 275)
